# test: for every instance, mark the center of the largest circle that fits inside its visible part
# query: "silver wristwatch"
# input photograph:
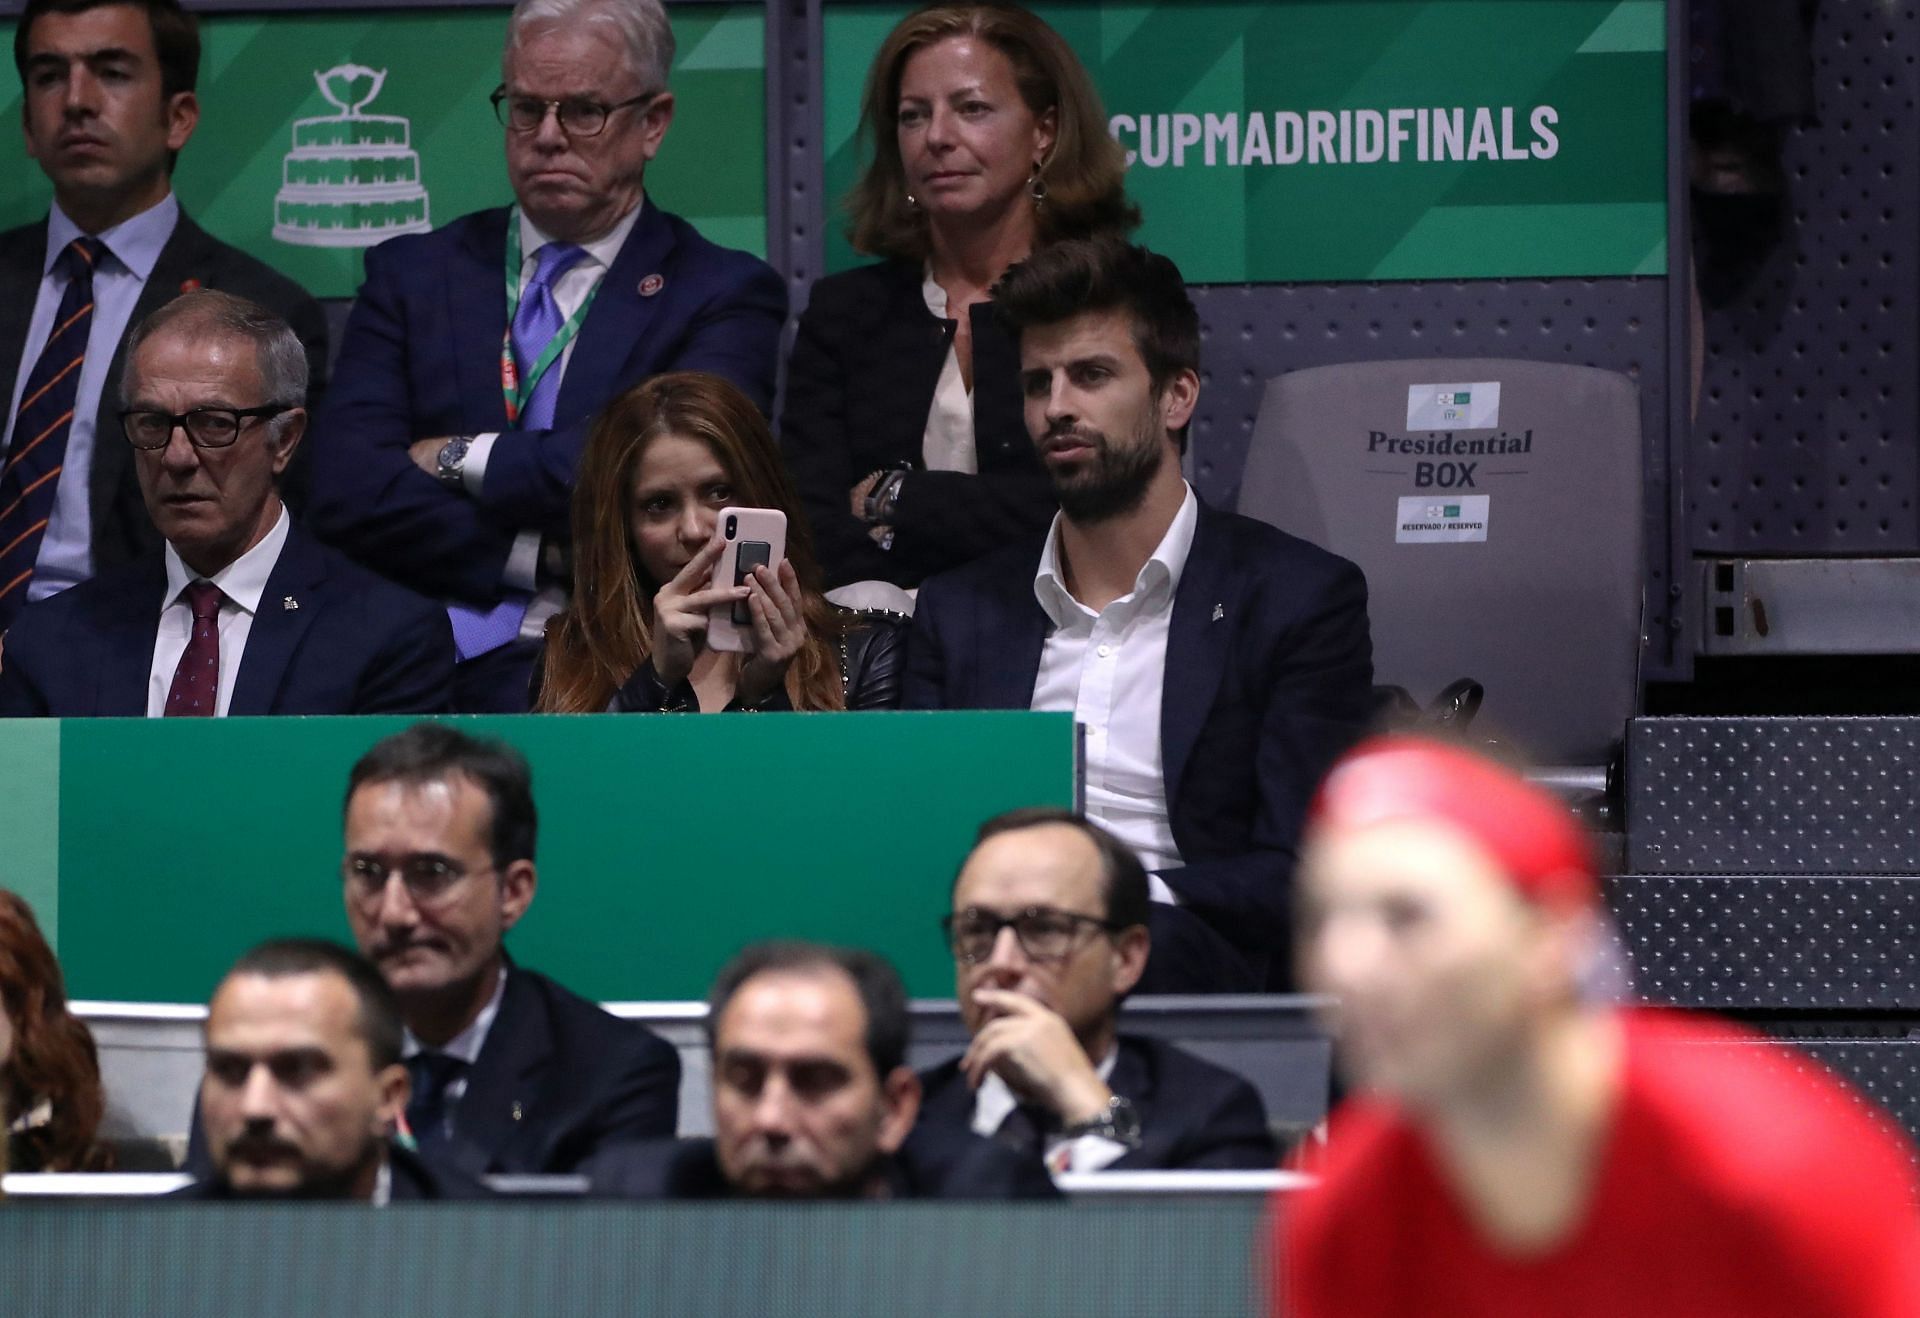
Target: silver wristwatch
(452, 460)
(1119, 1123)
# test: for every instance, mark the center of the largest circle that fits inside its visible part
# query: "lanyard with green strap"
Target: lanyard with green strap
(515, 390)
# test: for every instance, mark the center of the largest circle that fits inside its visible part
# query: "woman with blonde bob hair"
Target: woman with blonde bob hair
(903, 423)
(660, 462)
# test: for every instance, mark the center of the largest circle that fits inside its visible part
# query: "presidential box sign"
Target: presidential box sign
(1333, 140)
(324, 134)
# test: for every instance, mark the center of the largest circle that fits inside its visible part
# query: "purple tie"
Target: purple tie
(480, 631)
(195, 692)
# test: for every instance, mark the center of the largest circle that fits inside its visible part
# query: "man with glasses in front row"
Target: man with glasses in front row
(1049, 934)
(478, 354)
(241, 611)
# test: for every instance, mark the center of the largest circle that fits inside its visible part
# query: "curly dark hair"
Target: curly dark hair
(53, 1060)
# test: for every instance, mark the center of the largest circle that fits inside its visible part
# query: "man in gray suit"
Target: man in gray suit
(108, 104)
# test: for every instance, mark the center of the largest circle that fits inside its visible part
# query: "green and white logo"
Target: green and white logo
(351, 179)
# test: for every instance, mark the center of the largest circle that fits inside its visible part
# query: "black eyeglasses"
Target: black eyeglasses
(579, 116)
(207, 427)
(426, 878)
(1044, 934)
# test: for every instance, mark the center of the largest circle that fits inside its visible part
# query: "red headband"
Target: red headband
(1526, 829)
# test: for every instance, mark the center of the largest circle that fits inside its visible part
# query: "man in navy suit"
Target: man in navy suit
(812, 1097)
(1218, 665)
(240, 612)
(446, 454)
(1049, 935)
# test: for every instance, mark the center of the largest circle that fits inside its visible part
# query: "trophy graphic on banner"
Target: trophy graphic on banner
(350, 180)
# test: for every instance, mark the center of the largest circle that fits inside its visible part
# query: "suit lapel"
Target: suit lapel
(477, 313)
(1009, 658)
(1132, 1078)
(277, 627)
(20, 261)
(949, 1101)
(129, 621)
(1199, 638)
(490, 1114)
(619, 323)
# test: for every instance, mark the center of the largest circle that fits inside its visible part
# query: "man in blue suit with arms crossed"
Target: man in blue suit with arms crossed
(477, 355)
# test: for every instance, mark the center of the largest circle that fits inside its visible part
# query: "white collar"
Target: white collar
(136, 242)
(242, 581)
(601, 250)
(1163, 567)
(467, 1044)
(383, 1183)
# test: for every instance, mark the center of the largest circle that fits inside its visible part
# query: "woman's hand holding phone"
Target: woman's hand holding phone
(779, 630)
(680, 613)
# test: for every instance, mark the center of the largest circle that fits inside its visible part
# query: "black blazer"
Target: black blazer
(557, 1079)
(1269, 678)
(1193, 1114)
(873, 662)
(122, 531)
(416, 1177)
(860, 381)
(930, 1165)
(330, 638)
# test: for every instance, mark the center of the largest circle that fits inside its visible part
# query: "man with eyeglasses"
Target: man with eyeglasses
(107, 105)
(1049, 934)
(240, 611)
(477, 356)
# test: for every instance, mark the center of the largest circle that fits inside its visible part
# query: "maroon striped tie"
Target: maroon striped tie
(195, 692)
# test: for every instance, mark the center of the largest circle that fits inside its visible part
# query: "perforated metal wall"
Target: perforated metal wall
(1887, 1071)
(1773, 796)
(1759, 943)
(1806, 436)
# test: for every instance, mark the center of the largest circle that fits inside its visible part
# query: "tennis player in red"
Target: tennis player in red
(1515, 1148)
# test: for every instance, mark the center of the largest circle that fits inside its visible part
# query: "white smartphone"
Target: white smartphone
(755, 537)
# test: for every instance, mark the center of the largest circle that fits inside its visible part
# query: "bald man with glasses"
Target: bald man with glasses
(1048, 929)
(240, 611)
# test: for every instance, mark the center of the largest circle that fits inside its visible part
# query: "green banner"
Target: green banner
(1333, 140)
(665, 843)
(323, 134)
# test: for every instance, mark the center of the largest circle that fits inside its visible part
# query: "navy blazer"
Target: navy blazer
(421, 358)
(558, 1079)
(122, 530)
(1193, 1115)
(330, 638)
(931, 1164)
(1269, 677)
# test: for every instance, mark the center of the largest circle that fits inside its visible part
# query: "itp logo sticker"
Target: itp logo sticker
(1454, 406)
(1423, 520)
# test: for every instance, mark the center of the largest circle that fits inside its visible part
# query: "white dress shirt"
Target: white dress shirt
(242, 583)
(1083, 1153)
(1108, 668)
(570, 293)
(949, 442)
(465, 1045)
(133, 248)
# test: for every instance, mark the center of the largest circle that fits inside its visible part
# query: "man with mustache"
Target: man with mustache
(108, 104)
(304, 1088)
(239, 611)
(1217, 665)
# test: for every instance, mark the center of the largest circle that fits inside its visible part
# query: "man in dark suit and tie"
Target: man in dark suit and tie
(108, 103)
(1217, 665)
(1049, 934)
(477, 355)
(304, 1088)
(812, 1097)
(512, 1073)
(240, 612)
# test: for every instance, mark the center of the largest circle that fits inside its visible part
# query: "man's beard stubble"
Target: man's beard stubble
(1115, 483)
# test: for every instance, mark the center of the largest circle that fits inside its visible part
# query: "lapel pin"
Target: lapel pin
(289, 603)
(189, 285)
(516, 1111)
(652, 284)
(1219, 612)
